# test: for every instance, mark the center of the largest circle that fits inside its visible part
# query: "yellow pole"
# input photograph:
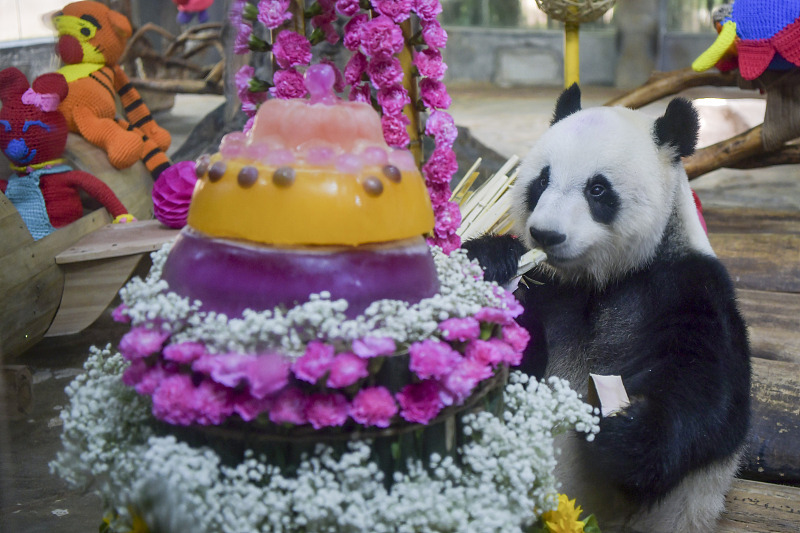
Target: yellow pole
(572, 61)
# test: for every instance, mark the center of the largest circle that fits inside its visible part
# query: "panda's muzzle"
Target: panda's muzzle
(547, 238)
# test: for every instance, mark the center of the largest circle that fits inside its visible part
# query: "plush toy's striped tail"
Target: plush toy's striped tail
(153, 157)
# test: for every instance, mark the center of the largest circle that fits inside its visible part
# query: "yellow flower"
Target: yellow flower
(565, 518)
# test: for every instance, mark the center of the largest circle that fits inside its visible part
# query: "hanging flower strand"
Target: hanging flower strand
(374, 74)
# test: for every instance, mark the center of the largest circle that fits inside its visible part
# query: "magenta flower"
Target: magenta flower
(441, 126)
(369, 347)
(120, 314)
(397, 10)
(516, 336)
(385, 72)
(373, 406)
(441, 165)
(289, 407)
(460, 329)
(174, 402)
(395, 131)
(356, 66)
(380, 37)
(432, 359)
(352, 31)
(288, 84)
(291, 49)
(360, 93)
(227, 369)
(420, 402)
(211, 404)
(429, 63)
(427, 10)
(141, 342)
(346, 369)
(434, 94)
(433, 34)
(314, 363)
(273, 13)
(393, 99)
(267, 374)
(241, 44)
(464, 378)
(348, 8)
(184, 352)
(326, 410)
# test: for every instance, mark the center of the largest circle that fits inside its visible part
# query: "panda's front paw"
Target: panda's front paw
(498, 255)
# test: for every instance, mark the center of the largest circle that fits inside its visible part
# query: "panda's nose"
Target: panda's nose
(547, 238)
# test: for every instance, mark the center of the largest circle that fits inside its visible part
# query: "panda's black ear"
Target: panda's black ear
(678, 128)
(568, 103)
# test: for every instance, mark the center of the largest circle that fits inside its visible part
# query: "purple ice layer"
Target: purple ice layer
(229, 277)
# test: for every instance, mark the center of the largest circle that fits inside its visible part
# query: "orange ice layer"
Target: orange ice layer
(322, 206)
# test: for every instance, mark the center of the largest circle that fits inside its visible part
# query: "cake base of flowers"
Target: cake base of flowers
(402, 418)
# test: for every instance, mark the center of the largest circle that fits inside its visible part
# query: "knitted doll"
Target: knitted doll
(33, 134)
(188, 8)
(91, 40)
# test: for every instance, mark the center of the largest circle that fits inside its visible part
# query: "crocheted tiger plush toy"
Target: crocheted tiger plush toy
(91, 40)
(33, 134)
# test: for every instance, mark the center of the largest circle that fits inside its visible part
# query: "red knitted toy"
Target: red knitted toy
(91, 40)
(33, 134)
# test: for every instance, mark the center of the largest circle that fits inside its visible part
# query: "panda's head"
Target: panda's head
(601, 187)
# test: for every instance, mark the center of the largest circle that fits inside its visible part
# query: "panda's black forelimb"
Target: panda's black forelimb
(498, 256)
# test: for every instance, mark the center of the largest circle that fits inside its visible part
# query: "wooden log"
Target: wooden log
(16, 391)
(755, 507)
(773, 444)
(760, 261)
(662, 84)
(725, 153)
(773, 323)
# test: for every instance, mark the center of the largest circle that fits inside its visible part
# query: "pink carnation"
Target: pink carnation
(433, 34)
(356, 66)
(291, 49)
(463, 380)
(397, 10)
(288, 84)
(441, 126)
(432, 359)
(516, 336)
(346, 369)
(373, 406)
(227, 369)
(460, 329)
(174, 402)
(369, 347)
(141, 342)
(352, 31)
(267, 374)
(289, 407)
(326, 410)
(348, 8)
(448, 219)
(420, 402)
(380, 37)
(273, 13)
(394, 130)
(385, 72)
(441, 165)
(434, 94)
(120, 314)
(393, 99)
(429, 63)
(184, 352)
(427, 10)
(314, 363)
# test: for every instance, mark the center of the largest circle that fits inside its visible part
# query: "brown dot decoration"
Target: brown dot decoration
(216, 171)
(283, 176)
(392, 173)
(201, 165)
(248, 176)
(373, 186)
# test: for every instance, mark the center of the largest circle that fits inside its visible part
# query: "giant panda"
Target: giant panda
(630, 287)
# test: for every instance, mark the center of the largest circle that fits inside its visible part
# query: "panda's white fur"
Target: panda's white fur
(631, 287)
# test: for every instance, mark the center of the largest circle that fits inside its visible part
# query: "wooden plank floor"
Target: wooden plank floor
(762, 252)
